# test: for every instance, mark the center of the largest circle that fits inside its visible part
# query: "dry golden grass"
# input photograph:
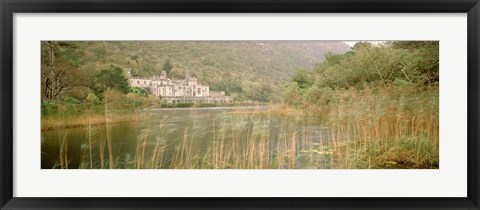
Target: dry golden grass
(72, 121)
(386, 128)
(390, 128)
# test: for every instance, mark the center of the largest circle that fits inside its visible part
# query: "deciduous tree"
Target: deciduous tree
(57, 75)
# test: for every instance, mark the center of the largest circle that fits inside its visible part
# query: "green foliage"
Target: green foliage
(319, 95)
(100, 52)
(72, 100)
(167, 66)
(401, 64)
(413, 45)
(238, 68)
(228, 84)
(138, 91)
(360, 45)
(178, 105)
(49, 106)
(264, 93)
(111, 78)
(92, 99)
(135, 100)
(115, 99)
(78, 92)
(399, 82)
(260, 93)
(303, 78)
(293, 95)
(57, 74)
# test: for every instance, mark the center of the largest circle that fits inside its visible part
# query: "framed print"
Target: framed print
(239, 105)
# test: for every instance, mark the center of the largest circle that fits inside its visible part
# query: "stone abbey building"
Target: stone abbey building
(185, 90)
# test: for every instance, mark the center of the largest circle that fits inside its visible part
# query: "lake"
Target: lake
(195, 138)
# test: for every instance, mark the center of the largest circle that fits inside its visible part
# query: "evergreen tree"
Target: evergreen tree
(167, 66)
(111, 78)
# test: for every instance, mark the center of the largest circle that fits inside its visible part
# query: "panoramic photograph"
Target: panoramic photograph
(239, 104)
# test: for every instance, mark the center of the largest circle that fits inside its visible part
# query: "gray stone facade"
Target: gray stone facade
(186, 90)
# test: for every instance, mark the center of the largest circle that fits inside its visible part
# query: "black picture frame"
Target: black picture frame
(10, 7)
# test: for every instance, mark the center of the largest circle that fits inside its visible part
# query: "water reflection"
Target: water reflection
(218, 137)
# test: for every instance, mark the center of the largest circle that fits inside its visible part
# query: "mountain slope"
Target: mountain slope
(242, 68)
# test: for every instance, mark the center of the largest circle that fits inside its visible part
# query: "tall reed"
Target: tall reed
(369, 128)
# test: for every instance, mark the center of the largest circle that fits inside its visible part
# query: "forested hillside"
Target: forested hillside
(254, 71)
(394, 65)
(385, 98)
(310, 105)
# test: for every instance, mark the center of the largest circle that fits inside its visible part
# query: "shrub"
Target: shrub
(92, 99)
(49, 106)
(72, 100)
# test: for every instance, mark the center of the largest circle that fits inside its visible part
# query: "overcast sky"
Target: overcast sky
(352, 43)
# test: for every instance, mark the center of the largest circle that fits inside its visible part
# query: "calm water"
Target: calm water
(219, 137)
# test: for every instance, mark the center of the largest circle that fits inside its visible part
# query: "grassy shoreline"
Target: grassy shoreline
(61, 121)
(387, 128)
(73, 121)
